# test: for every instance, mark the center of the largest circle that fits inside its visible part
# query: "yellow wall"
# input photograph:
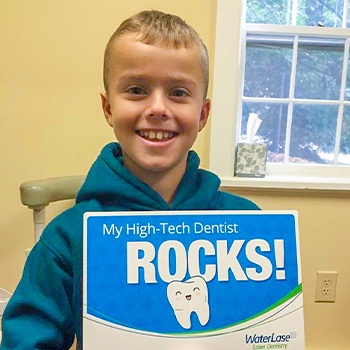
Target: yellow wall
(324, 244)
(52, 124)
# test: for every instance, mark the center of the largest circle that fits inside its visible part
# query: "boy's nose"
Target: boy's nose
(158, 105)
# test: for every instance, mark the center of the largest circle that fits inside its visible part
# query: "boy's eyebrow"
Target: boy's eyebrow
(178, 80)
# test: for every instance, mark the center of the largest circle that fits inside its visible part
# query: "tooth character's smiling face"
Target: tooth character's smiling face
(155, 104)
(187, 297)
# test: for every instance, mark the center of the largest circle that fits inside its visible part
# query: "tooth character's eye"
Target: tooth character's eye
(196, 289)
(178, 293)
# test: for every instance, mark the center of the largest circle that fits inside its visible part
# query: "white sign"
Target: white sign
(198, 280)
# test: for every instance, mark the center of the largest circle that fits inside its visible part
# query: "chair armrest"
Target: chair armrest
(38, 194)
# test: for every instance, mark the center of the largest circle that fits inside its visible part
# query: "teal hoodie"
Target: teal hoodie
(45, 311)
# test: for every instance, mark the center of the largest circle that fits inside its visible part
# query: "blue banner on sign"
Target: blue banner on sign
(188, 273)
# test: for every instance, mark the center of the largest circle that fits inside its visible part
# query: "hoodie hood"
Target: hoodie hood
(114, 187)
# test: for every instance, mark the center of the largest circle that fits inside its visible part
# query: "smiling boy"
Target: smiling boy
(155, 100)
(156, 81)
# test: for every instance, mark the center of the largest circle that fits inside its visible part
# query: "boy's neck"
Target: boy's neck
(163, 182)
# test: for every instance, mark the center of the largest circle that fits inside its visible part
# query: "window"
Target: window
(291, 62)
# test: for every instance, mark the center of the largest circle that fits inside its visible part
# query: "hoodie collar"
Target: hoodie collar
(115, 187)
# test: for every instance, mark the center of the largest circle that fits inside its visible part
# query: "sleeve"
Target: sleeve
(39, 314)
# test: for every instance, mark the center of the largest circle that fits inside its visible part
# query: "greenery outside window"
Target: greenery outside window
(293, 71)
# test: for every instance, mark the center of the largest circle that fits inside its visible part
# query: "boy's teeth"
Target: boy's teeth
(156, 135)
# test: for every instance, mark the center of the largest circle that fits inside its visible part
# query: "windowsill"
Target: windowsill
(289, 183)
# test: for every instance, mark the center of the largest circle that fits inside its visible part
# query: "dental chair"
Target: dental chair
(38, 194)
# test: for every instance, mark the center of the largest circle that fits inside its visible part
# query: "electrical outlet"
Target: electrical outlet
(326, 285)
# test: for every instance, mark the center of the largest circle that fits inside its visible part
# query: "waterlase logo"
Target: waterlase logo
(272, 338)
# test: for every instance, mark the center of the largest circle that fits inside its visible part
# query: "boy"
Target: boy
(156, 79)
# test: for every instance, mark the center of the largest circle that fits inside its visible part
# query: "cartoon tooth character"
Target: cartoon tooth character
(187, 297)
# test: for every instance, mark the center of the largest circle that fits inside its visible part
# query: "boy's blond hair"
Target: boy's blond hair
(155, 27)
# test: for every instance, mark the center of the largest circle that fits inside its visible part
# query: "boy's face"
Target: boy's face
(155, 104)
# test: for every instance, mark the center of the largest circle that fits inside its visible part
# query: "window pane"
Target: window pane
(344, 154)
(319, 68)
(268, 11)
(347, 88)
(268, 66)
(313, 133)
(272, 129)
(326, 13)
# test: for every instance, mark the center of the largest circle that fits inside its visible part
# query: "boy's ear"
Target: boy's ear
(204, 114)
(106, 106)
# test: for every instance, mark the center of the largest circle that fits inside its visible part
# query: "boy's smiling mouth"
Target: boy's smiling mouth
(155, 135)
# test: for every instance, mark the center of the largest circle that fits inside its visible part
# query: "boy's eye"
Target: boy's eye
(179, 93)
(135, 90)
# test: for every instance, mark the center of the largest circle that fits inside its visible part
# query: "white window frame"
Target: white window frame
(226, 103)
